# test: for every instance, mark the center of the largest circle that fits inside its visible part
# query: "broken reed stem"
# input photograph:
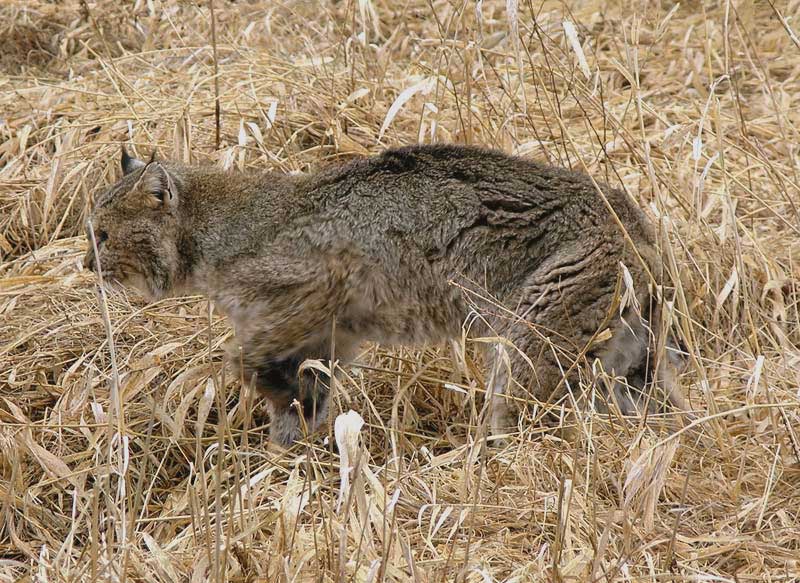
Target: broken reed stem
(115, 418)
(218, 568)
(216, 75)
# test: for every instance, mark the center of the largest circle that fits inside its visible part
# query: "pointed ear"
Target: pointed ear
(158, 185)
(129, 164)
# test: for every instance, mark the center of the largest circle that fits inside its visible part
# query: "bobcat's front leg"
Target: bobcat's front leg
(285, 387)
(288, 317)
(288, 390)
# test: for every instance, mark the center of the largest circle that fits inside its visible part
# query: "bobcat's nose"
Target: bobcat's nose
(88, 260)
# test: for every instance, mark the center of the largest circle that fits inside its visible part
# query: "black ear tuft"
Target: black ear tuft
(129, 164)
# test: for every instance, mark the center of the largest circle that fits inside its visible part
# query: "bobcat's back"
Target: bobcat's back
(472, 212)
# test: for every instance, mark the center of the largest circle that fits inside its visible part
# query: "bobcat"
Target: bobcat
(399, 248)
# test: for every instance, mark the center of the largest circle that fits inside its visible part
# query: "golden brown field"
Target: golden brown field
(128, 454)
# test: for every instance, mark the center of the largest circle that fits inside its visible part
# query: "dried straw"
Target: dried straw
(692, 107)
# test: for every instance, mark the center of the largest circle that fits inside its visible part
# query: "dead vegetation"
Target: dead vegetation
(115, 460)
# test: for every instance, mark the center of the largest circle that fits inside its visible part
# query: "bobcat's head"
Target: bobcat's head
(138, 230)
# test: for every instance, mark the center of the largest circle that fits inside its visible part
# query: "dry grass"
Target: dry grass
(117, 465)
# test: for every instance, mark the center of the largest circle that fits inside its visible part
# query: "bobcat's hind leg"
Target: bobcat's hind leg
(656, 378)
(559, 308)
(646, 374)
(503, 415)
(529, 369)
(624, 357)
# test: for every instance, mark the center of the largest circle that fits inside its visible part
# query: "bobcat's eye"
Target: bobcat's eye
(102, 236)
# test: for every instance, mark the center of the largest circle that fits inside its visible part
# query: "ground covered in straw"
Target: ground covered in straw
(126, 453)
